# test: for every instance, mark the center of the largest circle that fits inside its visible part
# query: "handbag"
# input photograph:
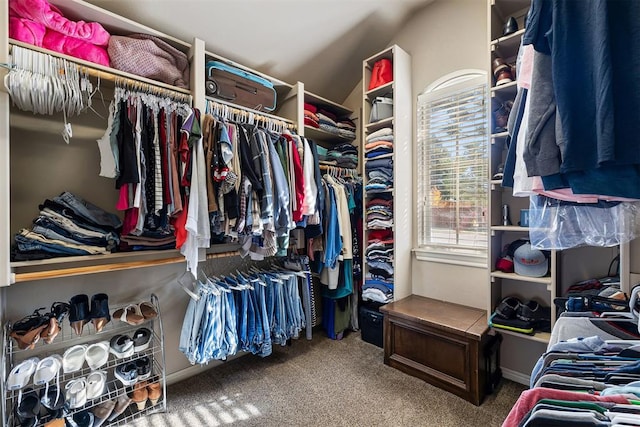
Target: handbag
(382, 73)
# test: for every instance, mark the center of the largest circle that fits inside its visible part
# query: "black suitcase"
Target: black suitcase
(240, 87)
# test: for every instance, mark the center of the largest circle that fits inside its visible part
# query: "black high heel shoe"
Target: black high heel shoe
(100, 311)
(79, 314)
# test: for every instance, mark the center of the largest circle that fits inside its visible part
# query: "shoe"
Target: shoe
(140, 395)
(510, 27)
(508, 307)
(76, 393)
(46, 370)
(122, 402)
(27, 331)
(53, 401)
(141, 339)
(102, 411)
(532, 312)
(147, 310)
(501, 71)
(81, 419)
(51, 331)
(79, 313)
(155, 392)
(97, 355)
(143, 366)
(100, 311)
(121, 346)
(96, 382)
(131, 314)
(21, 374)
(127, 373)
(28, 408)
(73, 358)
(499, 172)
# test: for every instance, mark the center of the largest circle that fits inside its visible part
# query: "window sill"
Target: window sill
(444, 257)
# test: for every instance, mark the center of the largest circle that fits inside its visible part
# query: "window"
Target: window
(453, 169)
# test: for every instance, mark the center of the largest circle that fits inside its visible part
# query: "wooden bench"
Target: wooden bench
(439, 342)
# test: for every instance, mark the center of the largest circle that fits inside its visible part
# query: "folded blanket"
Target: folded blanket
(41, 12)
(373, 145)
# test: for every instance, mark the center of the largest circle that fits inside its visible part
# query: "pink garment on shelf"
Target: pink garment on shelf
(27, 31)
(529, 398)
(77, 48)
(42, 12)
(567, 194)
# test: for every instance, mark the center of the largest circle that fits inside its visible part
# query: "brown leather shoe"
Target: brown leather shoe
(122, 402)
(140, 394)
(102, 411)
(155, 392)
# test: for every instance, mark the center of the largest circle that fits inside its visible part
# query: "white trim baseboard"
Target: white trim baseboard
(516, 376)
(194, 370)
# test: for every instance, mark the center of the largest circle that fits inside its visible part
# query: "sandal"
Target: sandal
(27, 330)
(131, 314)
(148, 310)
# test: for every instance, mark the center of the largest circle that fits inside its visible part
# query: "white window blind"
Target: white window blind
(453, 166)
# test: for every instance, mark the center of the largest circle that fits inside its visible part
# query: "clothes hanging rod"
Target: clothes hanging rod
(237, 109)
(109, 74)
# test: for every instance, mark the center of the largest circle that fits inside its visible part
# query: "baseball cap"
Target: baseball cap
(530, 262)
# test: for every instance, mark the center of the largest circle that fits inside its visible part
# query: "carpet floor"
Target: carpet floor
(319, 383)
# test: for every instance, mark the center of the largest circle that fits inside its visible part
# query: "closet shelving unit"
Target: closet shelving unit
(543, 289)
(321, 136)
(504, 284)
(113, 387)
(401, 124)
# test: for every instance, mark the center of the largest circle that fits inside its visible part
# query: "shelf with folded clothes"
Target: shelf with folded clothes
(372, 127)
(103, 72)
(319, 135)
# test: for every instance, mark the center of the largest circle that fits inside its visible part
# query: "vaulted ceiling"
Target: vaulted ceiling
(319, 42)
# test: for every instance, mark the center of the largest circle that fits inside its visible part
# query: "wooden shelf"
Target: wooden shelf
(372, 127)
(26, 271)
(541, 337)
(380, 90)
(499, 135)
(513, 276)
(105, 73)
(505, 92)
(319, 135)
(340, 110)
(507, 46)
(509, 228)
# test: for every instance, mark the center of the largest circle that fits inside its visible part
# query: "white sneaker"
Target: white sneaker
(76, 393)
(47, 369)
(73, 358)
(96, 382)
(121, 346)
(20, 375)
(97, 354)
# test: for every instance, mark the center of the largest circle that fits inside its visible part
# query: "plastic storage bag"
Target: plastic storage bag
(555, 224)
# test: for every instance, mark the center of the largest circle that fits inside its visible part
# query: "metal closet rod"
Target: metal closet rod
(258, 116)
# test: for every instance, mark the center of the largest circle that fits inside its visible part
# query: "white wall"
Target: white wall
(444, 37)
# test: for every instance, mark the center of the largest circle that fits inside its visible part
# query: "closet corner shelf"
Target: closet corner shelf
(541, 337)
(515, 228)
(505, 92)
(372, 127)
(384, 156)
(380, 90)
(328, 104)
(513, 276)
(319, 135)
(105, 73)
(499, 135)
(507, 46)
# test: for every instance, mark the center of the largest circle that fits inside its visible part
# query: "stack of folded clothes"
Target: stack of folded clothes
(328, 120)
(379, 214)
(67, 226)
(380, 175)
(345, 155)
(378, 284)
(346, 128)
(379, 143)
(310, 117)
